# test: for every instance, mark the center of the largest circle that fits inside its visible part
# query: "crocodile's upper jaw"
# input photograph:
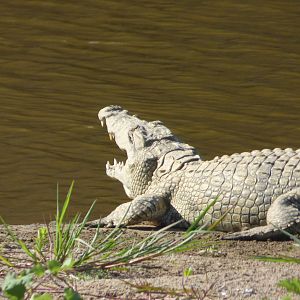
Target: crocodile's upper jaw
(129, 132)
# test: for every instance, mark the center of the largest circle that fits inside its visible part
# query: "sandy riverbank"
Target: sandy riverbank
(229, 267)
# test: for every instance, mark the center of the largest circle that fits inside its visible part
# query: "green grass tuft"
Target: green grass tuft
(59, 253)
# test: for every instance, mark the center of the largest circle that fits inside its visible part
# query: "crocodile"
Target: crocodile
(256, 193)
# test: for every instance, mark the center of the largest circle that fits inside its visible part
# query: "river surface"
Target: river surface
(223, 75)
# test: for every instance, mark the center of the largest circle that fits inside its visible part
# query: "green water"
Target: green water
(223, 75)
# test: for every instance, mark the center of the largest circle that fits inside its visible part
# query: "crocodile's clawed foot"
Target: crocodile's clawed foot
(100, 223)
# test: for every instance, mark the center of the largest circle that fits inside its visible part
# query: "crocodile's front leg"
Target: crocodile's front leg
(142, 208)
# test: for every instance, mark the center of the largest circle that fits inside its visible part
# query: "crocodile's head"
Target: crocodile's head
(148, 146)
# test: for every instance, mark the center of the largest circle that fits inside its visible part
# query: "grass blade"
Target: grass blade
(66, 204)
(18, 241)
(6, 261)
(195, 224)
(279, 259)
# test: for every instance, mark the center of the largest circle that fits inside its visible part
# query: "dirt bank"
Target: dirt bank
(225, 271)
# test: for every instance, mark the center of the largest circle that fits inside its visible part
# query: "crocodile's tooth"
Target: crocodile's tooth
(107, 165)
(111, 136)
(115, 162)
(103, 121)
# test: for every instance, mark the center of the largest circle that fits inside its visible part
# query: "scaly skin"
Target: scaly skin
(168, 181)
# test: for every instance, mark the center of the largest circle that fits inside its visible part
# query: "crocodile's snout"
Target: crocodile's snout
(108, 111)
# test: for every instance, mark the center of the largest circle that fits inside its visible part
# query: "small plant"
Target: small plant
(59, 254)
(187, 272)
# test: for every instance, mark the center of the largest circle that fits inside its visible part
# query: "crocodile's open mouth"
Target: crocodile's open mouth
(121, 128)
(116, 168)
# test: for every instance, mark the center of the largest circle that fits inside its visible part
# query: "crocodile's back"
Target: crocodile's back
(247, 182)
